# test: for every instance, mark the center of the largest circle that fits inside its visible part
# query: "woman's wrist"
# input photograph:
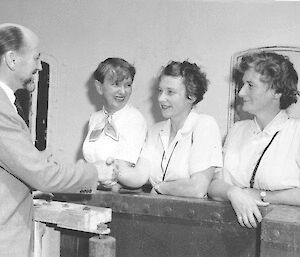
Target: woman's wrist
(263, 195)
(231, 191)
(256, 194)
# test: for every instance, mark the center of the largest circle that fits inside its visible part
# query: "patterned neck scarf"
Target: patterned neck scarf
(108, 128)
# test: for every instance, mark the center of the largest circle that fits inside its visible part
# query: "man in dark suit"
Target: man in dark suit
(22, 166)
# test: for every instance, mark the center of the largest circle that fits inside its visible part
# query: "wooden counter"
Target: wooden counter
(166, 226)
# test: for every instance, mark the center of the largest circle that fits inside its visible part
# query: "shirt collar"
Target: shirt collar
(9, 92)
(118, 113)
(189, 122)
(275, 125)
(186, 128)
(164, 133)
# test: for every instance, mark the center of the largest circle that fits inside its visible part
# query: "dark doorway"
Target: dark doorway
(42, 107)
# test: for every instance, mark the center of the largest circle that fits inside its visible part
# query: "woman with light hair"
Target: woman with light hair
(262, 155)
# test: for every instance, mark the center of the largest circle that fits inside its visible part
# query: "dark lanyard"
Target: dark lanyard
(165, 171)
(257, 164)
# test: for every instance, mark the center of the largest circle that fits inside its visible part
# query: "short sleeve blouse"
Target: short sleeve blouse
(279, 167)
(196, 147)
(131, 128)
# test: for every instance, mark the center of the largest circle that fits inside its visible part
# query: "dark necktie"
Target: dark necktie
(19, 109)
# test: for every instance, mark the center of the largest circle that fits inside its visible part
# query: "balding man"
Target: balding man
(22, 166)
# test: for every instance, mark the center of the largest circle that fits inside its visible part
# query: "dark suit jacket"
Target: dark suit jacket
(23, 167)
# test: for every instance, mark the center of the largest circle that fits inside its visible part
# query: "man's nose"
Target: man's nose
(242, 91)
(39, 65)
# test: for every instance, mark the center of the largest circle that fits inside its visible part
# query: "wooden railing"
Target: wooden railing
(165, 226)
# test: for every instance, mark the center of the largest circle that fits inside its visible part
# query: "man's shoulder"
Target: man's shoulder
(3, 96)
(5, 104)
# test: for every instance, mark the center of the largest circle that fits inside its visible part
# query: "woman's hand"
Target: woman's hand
(118, 168)
(130, 175)
(105, 172)
(245, 206)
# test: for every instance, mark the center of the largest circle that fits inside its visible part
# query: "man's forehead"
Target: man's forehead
(31, 42)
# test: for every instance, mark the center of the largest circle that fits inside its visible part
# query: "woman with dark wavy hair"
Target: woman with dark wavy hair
(262, 155)
(182, 152)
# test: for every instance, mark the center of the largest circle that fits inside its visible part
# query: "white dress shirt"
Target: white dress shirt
(279, 167)
(10, 94)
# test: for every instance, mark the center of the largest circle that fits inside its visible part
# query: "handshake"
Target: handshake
(108, 172)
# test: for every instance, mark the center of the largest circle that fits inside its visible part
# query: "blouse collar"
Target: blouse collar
(118, 113)
(275, 125)
(186, 129)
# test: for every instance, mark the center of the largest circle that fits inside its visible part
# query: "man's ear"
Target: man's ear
(99, 87)
(10, 60)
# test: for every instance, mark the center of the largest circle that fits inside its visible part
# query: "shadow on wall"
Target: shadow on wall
(97, 102)
(155, 109)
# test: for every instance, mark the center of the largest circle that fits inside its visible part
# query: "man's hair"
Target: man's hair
(118, 68)
(11, 39)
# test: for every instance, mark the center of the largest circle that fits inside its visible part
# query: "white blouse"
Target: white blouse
(280, 165)
(196, 147)
(131, 129)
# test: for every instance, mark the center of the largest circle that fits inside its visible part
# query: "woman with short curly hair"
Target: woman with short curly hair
(182, 152)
